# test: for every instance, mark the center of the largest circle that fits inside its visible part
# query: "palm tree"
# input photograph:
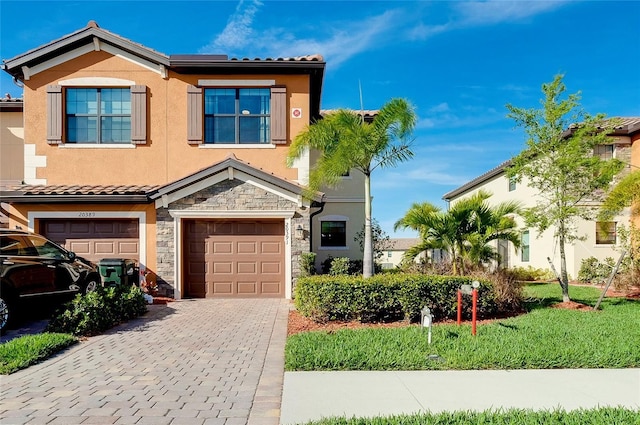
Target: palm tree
(465, 230)
(346, 142)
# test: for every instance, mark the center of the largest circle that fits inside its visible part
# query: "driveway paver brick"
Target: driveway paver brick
(187, 362)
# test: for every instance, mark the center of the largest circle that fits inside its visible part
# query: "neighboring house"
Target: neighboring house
(177, 162)
(397, 247)
(11, 147)
(600, 238)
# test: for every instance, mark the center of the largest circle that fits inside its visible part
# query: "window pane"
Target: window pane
(82, 130)
(255, 101)
(333, 233)
(525, 246)
(115, 101)
(220, 130)
(220, 101)
(254, 130)
(116, 129)
(605, 233)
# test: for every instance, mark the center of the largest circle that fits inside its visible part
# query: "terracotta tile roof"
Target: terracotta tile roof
(83, 189)
(306, 58)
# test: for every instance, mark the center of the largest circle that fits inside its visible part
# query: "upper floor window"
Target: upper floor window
(333, 233)
(603, 151)
(237, 115)
(605, 233)
(512, 184)
(96, 115)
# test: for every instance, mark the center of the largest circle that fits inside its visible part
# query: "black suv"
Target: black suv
(33, 266)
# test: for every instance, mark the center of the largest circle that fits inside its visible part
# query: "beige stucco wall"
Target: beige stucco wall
(544, 245)
(11, 147)
(167, 156)
(353, 214)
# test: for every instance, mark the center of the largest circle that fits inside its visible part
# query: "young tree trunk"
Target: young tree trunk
(564, 279)
(367, 259)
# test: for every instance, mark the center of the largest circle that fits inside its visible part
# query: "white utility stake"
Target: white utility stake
(426, 320)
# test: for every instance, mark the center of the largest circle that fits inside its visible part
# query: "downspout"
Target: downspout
(313, 214)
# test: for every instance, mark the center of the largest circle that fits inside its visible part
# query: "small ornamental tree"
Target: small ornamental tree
(559, 163)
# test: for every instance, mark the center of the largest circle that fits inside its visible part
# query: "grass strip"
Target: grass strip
(27, 350)
(600, 416)
(545, 338)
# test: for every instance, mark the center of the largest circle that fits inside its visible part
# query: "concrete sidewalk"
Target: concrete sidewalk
(312, 395)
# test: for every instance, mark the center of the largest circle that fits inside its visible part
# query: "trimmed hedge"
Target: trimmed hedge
(388, 297)
(98, 311)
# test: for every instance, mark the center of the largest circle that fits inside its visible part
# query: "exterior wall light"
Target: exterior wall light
(299, 232)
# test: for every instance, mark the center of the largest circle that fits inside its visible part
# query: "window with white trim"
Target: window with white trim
(236, 115)
(96, 115)
(524, 246)
(605, 233)
(333, 234)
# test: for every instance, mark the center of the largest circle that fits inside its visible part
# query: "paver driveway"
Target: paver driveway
(189, 362)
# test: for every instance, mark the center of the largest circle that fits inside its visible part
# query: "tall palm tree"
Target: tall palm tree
(346, 142)
(465, 230)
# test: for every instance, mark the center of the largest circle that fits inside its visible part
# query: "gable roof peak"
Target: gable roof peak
(92, 24)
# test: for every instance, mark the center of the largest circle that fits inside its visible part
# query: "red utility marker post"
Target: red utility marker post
(474, 296)
(459, 307)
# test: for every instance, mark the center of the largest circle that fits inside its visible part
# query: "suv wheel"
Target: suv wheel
(92, 285)
(6, 311)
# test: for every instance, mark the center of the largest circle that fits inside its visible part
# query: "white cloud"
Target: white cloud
(238, 31)
(342, 41)
(442, 107)
(496, 11)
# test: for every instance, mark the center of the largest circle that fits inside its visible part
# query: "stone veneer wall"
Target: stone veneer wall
(229, 195)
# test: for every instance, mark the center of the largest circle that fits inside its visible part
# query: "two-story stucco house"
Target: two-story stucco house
(600, 239)
(178, 162)
(11, 147)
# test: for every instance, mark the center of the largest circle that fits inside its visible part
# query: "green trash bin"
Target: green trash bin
(118, 271)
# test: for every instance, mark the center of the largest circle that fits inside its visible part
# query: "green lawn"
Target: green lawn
(602, 416)
(26, 350)
(543, 338)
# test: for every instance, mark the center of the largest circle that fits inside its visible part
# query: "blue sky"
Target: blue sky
(459, 63)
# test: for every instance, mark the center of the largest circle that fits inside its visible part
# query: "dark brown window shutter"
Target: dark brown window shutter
(194, 115)
(54, 115)
(139, 115)
(278, 115)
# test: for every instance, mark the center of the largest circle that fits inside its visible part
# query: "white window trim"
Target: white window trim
(127, 145)
(237, 146)
(236, 83)
(333, 217)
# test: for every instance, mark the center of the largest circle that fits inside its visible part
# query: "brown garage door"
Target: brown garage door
(95, 239)
(233, 258)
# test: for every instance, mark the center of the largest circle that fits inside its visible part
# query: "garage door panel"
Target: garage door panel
(222, 248)
(248, 288)
(247, 267)
(105, 248)
(82, 248)
(271, 267)
(246, 257)
(247, 248)
(272, 288)
(271, 247)
(222, 267)
(222, 288)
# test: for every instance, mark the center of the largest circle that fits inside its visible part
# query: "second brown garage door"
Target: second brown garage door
(95, 239)
(233, 258)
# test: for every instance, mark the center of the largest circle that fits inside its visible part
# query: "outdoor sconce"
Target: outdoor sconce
(299, 232)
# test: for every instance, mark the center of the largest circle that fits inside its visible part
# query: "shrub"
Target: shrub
(387, 297)
(339, 266)
(98, 311)
(507, 289)
(307, 263)
(530, 274)
(593, 270)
